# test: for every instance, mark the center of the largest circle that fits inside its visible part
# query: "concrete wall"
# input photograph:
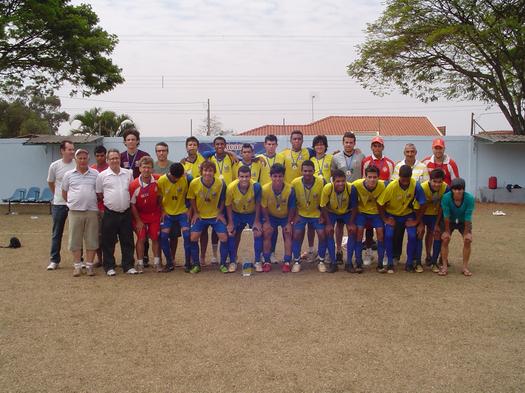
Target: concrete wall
(26, 165)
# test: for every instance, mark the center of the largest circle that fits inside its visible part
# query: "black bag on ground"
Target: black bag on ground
(14, 242)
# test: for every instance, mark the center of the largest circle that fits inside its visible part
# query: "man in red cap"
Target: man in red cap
(441, 160)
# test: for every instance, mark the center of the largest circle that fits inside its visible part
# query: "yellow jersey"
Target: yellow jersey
(174, 194)
(278, 205)
(243, 203)
(224, 169)
(399, 202)
(265, 169)
(308, 199)
(194, 168)
(255, 168)
(323, 167)
(207, 199)
(367, 199)
(433, 198)
(338, 203)
(292, 163)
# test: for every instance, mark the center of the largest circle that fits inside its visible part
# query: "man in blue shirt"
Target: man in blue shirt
(457, 206)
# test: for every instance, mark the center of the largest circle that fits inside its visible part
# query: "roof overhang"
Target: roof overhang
(57, 139)
(500, 138)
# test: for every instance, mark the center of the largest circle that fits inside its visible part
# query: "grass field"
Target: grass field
(306, 332)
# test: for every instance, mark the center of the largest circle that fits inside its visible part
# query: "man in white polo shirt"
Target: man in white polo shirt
(59, 209)
(113, 186)
(78, 190)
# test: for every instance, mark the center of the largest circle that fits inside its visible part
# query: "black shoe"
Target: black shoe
(359, 270)
(332, 268)
(339, 257)
(409, 268)
(428, 261)
(349, 268)
(145, 261)
(169, 269)
(187, 268)
(374, 245)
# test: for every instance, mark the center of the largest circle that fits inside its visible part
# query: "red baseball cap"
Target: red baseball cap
(438, 142)
(378, 139)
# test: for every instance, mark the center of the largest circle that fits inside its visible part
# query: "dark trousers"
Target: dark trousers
(115, 224)
(59, 215)
(399, 234)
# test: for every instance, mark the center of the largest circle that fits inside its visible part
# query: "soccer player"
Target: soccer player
(247, 159)
(278, 210)
(322, 160)
(295, 156)
(338, 204)
(194, 159)
(271, 158)
(173, 189)
(368, 191)
(206, 195)
(243, 205)
(130, 158)
(59, 208)
(396, 206)
(308, 189)
(457, 206)
(162, 165)
(441, 160)
(434, 189)
(146, 212)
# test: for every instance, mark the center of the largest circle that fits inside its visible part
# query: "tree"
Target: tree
(96, 122)
(49, 43)
(457, 49)
(216, 127)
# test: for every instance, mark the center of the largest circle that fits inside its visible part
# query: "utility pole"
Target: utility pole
(162, 82)
(472, 123)
(209, 119)
(313, 96)
(191, 127)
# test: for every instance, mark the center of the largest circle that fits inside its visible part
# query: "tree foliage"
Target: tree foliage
(49, 43)
(98, 122)
(457, 49)
(216, 127)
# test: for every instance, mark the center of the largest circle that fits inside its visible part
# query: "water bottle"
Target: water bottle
(247, 268)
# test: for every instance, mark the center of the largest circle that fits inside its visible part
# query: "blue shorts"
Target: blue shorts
(169, 221)
(203, 224)
(276, 222)
(301, 223)
(374, 220)
(402, 219)
(430, 221)
(240, 220)
(344, 218)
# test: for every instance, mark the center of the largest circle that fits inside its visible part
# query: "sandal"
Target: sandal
(466, 273)
(443, 272)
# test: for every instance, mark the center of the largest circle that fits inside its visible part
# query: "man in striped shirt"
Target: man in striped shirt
(441, 160)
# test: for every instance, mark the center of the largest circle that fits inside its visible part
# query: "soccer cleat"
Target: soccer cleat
(339, 257)
(381, 269)
(296, 268)
(273, 258)
(321, 267)
(139, 267)
(409, 268)
(285, 268)
(52, 266)
(132, 271)
(390, 270)
(434, 268)
(158, 268)
(419, 269)
(349, 268)
(359, 270)
(187, 268)
(258, 267)
(266, 267)
(77, 271)
(195, 269)
(332, 268)
(223, 269)
(111, 273)
(232, 268)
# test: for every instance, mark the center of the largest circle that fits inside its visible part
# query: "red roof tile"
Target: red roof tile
(338, 125)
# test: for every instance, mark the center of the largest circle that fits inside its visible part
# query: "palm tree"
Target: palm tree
(96, 122)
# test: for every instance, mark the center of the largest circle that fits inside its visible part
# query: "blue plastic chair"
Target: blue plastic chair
(32, 195)
(46, 197)
(18, 195)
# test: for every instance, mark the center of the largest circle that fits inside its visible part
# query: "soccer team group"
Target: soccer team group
(305, 191)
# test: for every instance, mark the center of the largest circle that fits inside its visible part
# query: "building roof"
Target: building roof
(57, 139)
(499, 137)
(364, 125)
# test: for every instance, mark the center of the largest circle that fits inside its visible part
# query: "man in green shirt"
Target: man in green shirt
(162, 165)
(457, 206)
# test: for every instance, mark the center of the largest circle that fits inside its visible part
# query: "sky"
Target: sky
(258, 62)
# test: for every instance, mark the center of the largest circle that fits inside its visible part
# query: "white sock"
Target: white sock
(156, 260)
(214, 248)
(140, 262)
(78, 265)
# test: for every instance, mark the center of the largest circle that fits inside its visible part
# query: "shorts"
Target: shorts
(204, 223)
(83, 230)
(365, 220)
(151, 228)
(402, 219)
(301, 223)
(277, 222)
(175, 223)
(241, 220)
(344, 218)
(430, 221)
(460, 226)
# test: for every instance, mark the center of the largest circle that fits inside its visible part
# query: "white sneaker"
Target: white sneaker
(89, 269)
(273, 258)
(321, 267)
(232, 267)
(139, 267)
(77, 271)
(132, 271)
(258, 267)
(296, 267)
(111, 273)
(52, 266)
(367, 259)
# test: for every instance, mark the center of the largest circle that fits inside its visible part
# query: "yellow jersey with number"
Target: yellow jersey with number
(337, 203)
(292, 163)
(308, 199)
(224, 169)
(255, 169)
(194, 168)
(173, 194)
(433, 198)
(207, 199)
(367, 199)
(243, 203)
(323, 167)
(278, 204)
(265, 169)
(397, 201)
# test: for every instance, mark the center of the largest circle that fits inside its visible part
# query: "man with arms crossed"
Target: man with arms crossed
(78, 189)
(59, 209)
